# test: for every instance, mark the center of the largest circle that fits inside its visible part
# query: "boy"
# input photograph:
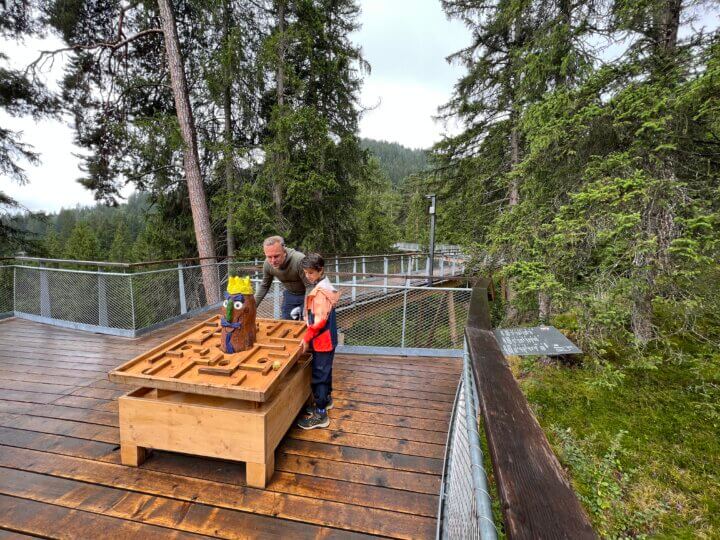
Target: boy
(320, 338)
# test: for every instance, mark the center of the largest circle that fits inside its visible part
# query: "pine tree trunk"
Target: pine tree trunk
(657, 217)
(281, 54)
(669, 24)
(278, 187)
(511, 312)
(227, 110)
(544, 306)
(191, 160)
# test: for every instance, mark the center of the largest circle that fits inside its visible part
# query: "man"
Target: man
(285, 264)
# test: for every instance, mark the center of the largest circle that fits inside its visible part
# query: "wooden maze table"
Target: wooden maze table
(195, 399)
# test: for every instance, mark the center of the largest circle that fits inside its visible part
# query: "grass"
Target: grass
(643, 451)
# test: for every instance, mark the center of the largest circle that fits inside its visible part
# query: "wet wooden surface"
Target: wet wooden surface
(375, 472)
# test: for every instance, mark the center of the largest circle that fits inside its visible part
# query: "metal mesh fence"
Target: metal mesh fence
(7, 304)
(80, 297)
(415, 317)
(465, 510)
(374, 311)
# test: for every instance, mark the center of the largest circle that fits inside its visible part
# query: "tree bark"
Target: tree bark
(511, 312)
(278, 187)
(281, 54)
(191, 160)
(669, 24)
(544, 306)
(658, 215)
(227, 110)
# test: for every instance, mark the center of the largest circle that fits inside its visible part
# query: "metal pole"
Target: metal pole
(44, 292)
(132, 303)
(14, 289)
(402, 268)
(404, 319)
(442, 265)
(354, 280)
(337, 271)
(102, 300)
(219, 281)
(363, 265)
(386, 273)
(276, 302)
(431, 211)
(181, 290)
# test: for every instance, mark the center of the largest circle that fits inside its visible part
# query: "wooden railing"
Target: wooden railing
(536, 498)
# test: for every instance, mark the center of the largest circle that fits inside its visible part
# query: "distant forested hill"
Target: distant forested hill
(396, 161)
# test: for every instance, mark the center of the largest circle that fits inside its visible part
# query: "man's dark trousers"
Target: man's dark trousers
(321, 382)
(291, 301)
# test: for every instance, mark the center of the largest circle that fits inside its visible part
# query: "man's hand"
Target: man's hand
(304, 346)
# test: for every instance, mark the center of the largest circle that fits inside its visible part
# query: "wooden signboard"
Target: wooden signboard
(194, 362)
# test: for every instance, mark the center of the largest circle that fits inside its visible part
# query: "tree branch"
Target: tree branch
(111, 45)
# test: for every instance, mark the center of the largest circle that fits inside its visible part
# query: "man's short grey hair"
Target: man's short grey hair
(272, 240)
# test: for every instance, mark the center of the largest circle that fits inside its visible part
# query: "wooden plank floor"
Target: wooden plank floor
(375, 472)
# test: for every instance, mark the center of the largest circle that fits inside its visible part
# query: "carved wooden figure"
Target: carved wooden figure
(238, 316)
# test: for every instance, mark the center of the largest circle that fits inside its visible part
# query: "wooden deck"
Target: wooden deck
(375, 472)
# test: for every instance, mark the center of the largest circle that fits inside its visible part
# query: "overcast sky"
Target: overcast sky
(405, 41)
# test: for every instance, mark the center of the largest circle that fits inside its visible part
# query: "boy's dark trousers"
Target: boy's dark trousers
(321, 383)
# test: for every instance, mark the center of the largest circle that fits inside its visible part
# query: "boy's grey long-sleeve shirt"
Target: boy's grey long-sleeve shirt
(290, 274)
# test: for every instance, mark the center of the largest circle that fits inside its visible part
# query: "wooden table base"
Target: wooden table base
(211, 426)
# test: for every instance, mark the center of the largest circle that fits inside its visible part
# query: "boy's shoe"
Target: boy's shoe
(311, 408)
(315, 420)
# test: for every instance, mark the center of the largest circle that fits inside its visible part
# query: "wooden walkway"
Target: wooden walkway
(375, 472)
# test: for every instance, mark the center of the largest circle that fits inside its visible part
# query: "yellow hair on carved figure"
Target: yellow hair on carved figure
(238, 285)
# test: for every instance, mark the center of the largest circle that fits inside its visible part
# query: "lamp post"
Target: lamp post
(431, 211)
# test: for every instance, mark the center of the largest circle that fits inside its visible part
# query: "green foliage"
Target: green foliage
(377, 210)
(21, 94)
(83, 244)
(642, 451)
(121, 248)
(396, 161)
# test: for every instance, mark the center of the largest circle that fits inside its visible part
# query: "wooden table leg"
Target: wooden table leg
(259, 474)
(132, 455)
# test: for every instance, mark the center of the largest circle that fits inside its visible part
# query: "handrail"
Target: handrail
(217, 258)
(536, 498)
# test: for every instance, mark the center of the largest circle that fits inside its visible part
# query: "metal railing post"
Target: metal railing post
(402, 268)
(132, 303)
(354, 280)
(181, 289)
(276, 299)
(14, 289)
(102, 299)
(363, 266)
(453, 266)
(385, 271)
(442, 265)
(44, 292)
(404, 317)
(337, 271)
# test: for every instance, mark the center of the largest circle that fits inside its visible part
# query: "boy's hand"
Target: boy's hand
(304, 346)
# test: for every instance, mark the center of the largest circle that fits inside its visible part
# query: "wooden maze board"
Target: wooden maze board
(193, 362)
